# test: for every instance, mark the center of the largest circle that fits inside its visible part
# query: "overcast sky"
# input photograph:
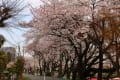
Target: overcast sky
(14, 36)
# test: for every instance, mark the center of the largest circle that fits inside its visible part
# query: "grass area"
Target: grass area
(26, 78)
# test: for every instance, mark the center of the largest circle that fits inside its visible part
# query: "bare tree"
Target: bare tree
(10, 10)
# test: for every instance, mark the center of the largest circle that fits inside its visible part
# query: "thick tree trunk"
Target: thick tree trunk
(81, 70)
(117, 58)
(100, 71)
(40, 70)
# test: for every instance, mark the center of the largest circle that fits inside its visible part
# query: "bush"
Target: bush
(26, 78)
(19, 67)
(48, 74)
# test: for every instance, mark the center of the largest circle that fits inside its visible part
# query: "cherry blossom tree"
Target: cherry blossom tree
(77, 32)
(58, 20)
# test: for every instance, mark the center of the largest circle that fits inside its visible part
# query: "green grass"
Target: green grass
(26, 78)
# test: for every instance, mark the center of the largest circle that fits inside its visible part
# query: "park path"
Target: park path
(33, 77)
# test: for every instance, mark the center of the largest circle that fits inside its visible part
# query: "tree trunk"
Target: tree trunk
(68, 75)
(81, 70)
(40, 70)
(117, 58)
(60, 67)
(100, 71)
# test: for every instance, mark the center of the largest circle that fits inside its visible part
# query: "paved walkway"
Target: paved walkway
(33, 77)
